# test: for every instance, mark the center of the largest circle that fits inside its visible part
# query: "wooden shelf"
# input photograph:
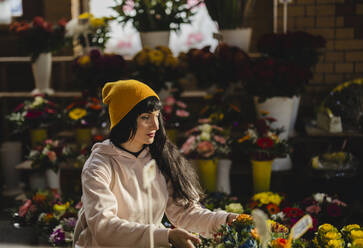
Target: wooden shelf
(28, 94)
(27, 59)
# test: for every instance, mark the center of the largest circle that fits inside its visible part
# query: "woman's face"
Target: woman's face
(147, 125)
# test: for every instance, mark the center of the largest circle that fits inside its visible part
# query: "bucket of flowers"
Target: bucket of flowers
(37, 115)
(206, 143)
(83, 114)
(261, 144)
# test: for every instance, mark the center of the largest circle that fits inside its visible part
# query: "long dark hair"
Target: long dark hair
(172, 164)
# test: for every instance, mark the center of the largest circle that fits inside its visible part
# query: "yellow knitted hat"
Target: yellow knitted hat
(121, 96)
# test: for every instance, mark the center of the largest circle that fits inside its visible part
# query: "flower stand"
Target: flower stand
(42, 69)
(154, 39)
(261, 174)
(207, 172)
(37, 136)
(223, 179)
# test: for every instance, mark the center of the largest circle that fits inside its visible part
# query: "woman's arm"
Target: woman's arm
(100, 206)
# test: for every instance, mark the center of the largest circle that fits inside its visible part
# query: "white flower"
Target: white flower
(319, 197)
(33, 153)
(17, 117)
(38, 100)
(278, 216)
(75, 29)
(205, 136)
(205, 128)
(45, 151)
(252, 134)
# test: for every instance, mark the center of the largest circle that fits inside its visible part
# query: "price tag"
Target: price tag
(149, 173)
(301, 227)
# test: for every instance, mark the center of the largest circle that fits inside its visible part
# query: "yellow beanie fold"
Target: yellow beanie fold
(121, 96)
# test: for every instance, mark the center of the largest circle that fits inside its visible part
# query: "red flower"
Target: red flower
(293, 212)
(24, 209)
(334, 210)
(265, 142)
(272, 208)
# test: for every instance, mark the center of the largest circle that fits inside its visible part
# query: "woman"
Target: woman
(115, 211)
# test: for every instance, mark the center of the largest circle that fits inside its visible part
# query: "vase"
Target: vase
(207, 172)
(37, 181)
(11, 156)
(42, 69)
(223, 179)
(295, 109)
(154, 38)
(83, 136)
(172, 135)
(240, 37)
(37, 136)
(281, 109)
(52, 179)
(261, 175)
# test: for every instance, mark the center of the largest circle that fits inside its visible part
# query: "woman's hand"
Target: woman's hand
(182, 239)
(231, 217)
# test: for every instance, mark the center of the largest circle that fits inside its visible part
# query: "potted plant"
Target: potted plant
(261, 144)
(39, 39)
(154, 19)
(231, 17)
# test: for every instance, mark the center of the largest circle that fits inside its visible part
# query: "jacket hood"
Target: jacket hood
(107, 147)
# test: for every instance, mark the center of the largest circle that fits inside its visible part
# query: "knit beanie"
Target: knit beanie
(121, 96)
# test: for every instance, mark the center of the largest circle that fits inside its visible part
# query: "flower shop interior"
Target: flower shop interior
(264, 98)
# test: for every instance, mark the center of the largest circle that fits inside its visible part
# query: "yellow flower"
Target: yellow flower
(244, 138)
(97, 22)
(164, 49)
(356, 234)
(358, 243)
(141, 58)
(156, 57)
(335, 243)
(85, 15)
(84, 60)
(77, 113)
(332, 235)
(170, 61)
(326, 228)
(61, 207)
(244, 218)
(350, 227)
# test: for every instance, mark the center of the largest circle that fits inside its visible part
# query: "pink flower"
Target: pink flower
(189, 132)
(181, 104)
(203, 121)
(182, 113)
(48, 141)
(313, 209)
(24, 209)
(206, 149)
(168, 109)
(52, 156)
(79, 205)
(339, 203)
(170, 100)
(217, 128)
(220, 139)
(187, 146)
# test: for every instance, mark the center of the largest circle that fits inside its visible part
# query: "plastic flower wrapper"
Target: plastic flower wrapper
(175, 112)
(155, 67)
(89, 30)
(37, 113)
(206, 141)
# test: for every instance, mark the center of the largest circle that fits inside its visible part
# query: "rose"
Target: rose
(205, 149)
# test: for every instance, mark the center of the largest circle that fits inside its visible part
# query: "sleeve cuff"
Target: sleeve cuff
(161, 237)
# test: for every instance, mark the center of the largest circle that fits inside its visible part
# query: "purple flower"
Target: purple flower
(58, 235)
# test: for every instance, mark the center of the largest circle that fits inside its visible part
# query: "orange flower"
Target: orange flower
(254, 233)
(279, 243)
(244, 217)
(39, 197)
(244, 138)
(272, 208)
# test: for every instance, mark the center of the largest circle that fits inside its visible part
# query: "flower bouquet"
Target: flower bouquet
(37, 113)
(159, 15)
(48, 155)
(174, 112)
(206, 141)
(93, 69)
(88, 30)
(40, 36)
(155, 67)
(260, 142)
(269, 202)
(328, 236)
(84, 111)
